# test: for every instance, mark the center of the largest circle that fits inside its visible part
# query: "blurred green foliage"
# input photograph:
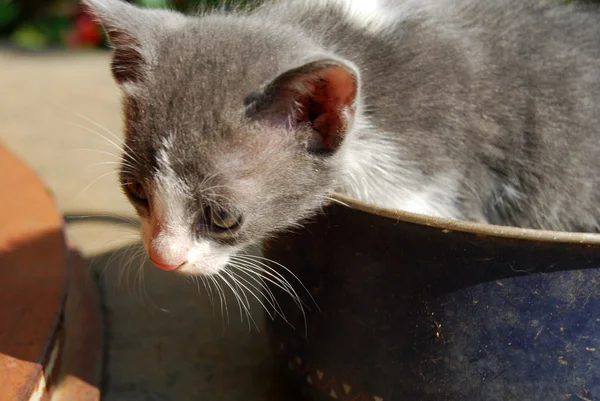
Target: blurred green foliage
(41, 24)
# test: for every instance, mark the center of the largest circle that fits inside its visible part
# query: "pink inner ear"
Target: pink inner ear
(327, 103)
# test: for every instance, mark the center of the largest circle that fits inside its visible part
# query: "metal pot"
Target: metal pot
(415, 308)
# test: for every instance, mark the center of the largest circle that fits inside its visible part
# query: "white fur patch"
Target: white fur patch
(364, 7)
(512, 193)
(372, 15)
(367, 14)
(435, 198)
(171, 194)
(376, 172)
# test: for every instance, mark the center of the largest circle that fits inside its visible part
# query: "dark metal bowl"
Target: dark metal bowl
(414, 308)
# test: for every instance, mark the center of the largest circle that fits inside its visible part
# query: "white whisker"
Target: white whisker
(235, 294)
(255, 257)
(114, 145)
(280, 282)
(124, 147)
(104, 152)
(250, 259)
(222, 299)
(93, 182)
(118, 164)
(270, 299)
(247, 305)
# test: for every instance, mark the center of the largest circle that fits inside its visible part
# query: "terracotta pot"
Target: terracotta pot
(50, 318)
(415, 308)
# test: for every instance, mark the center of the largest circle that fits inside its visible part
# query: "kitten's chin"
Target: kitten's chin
(206, 268)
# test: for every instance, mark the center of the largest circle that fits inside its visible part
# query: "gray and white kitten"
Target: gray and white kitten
(239, 124)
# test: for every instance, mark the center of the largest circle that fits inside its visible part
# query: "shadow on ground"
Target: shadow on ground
(166, 341)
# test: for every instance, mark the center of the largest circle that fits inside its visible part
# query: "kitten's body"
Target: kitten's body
(468, 109)
(478, 110)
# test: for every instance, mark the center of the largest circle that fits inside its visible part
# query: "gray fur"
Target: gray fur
(503, 94)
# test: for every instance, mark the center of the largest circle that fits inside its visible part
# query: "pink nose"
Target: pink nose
(163, 263)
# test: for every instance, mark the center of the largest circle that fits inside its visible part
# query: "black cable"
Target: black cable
(94, 217)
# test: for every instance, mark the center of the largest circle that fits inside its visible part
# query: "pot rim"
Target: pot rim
(479, 229)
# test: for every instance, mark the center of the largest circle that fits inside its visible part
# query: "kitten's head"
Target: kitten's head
(231, 133)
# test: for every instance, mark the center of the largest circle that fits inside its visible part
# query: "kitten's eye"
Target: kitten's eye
(224, 220)
(136, 190)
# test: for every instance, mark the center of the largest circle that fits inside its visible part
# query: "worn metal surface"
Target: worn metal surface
(425, 309)
(32, 282)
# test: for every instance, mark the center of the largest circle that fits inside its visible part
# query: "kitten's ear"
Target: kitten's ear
(320, 95)
(134, 33)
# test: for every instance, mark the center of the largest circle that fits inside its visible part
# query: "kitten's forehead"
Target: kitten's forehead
(198, 168)
(207, 59)
(214, 62)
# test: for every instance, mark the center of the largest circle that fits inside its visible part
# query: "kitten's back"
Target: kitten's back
(504, 93)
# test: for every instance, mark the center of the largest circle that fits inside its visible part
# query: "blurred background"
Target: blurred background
(166, 337)
(45, 24)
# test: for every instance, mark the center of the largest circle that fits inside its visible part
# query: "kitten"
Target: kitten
(238, 125)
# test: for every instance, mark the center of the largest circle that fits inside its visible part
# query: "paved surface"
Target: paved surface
(165, 340)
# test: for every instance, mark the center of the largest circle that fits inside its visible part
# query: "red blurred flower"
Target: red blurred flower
(86, 32)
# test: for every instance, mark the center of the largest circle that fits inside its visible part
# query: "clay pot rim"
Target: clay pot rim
(478, 229)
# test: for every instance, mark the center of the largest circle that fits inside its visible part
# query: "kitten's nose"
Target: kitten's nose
(166, 263)
(166, 250)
